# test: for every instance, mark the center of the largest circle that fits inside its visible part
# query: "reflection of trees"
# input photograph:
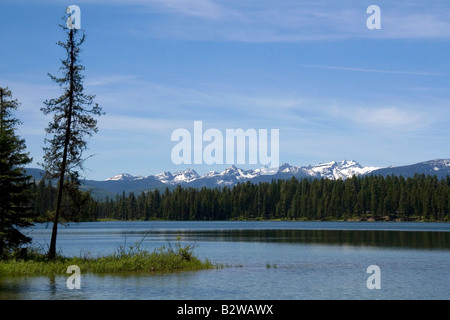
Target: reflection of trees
(379, 238)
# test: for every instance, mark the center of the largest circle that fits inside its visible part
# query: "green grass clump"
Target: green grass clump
(132, 259)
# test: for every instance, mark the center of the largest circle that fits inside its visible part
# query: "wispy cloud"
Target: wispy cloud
(198, 8)
(399, 72)
(275, 21)
(297, 21)
(391, 118)
(282, 20)
(425, 23)
(137, 124)
(385, 116)
(187, 99)
(109, 80)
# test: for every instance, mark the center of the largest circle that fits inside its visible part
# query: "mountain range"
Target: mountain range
(232, 175)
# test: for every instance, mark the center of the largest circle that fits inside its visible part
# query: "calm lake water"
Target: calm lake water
(265, 261)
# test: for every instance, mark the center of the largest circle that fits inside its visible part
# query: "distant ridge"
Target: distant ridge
(438, 167)
(232, 175)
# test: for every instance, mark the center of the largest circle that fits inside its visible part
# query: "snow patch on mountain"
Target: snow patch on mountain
(164, 177)
(185, 176)
(232, 174)
(338, 170)
(438, 164)
(124, 177)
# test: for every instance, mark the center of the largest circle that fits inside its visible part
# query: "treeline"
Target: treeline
(371, 197)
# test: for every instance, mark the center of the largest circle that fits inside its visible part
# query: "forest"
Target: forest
(421, 197)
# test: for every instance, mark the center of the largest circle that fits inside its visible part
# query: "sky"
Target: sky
(334, 88)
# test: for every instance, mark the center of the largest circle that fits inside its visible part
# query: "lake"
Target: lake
(264, 260)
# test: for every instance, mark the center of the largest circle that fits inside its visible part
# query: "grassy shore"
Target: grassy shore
(132, 259)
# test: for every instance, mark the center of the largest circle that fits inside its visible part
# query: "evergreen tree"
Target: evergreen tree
(315, 199)
(15, 186)
(73, 119)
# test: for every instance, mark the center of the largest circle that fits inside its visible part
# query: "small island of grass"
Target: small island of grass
(124, 260)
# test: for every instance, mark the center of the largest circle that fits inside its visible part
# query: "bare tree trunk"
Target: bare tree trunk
(2, 217)
(52, 248)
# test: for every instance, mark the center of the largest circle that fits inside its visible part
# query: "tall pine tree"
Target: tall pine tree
(15, 186)
(73, 119)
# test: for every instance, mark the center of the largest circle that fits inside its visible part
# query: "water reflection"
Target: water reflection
(379, 238)
(413, 262)
(52, 285)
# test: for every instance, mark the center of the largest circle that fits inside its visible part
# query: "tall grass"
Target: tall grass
(131, 259)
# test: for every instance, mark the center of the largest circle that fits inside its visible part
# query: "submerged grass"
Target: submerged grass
(131, 259)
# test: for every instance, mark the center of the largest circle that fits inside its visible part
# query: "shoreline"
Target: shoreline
(371, 219)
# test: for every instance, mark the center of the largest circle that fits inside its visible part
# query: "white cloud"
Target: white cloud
(263, 21)
(391, 118)
(197, 8)
(414, 73)
(137, 124)
(425, 24)
(105, 80)
(297, 21)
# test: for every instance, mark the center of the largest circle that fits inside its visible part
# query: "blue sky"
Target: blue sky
(312, 69)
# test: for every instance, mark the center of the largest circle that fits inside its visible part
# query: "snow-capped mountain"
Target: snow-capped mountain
(339, 170)
(178, 177)
(186, 176)
(124, 177)
(232, 175)
(165, 177)
(437, 167)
